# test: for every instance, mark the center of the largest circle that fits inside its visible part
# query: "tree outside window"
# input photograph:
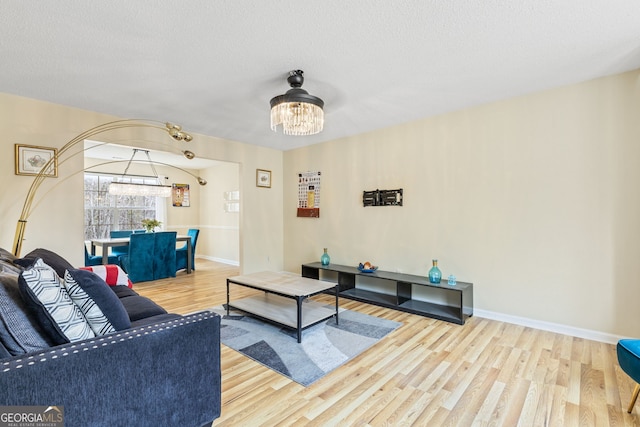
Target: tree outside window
(104, 212)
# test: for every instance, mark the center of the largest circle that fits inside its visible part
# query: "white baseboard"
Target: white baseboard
(508, 318)
(549, 326)
(220, 260)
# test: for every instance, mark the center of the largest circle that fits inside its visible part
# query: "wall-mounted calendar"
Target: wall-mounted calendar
(309, 194)
(180, 195)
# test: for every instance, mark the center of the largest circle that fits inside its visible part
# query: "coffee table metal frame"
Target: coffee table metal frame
(298, 296)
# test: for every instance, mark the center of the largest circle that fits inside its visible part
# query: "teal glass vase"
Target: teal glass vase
(325, 259)
(435, 275)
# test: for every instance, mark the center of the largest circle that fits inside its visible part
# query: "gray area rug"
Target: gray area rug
(324, 346)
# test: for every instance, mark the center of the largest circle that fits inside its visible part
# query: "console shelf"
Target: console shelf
(451, 303)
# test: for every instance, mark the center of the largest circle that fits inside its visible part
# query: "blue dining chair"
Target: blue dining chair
(90, 260)
(164, 254)
(181, 253)
(629, 360)
(119, 250)
(138, 262)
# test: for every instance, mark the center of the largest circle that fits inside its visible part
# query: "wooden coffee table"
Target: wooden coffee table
(284, 300)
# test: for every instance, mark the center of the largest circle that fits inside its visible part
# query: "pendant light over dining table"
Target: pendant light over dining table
(298, 112)
(123, 188)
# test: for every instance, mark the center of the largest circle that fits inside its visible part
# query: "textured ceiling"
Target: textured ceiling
(213, 65)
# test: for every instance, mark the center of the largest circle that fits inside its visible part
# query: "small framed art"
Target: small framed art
(263, 178)
(30, 160)
(180, 195)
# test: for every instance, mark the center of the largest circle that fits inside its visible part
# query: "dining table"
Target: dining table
(105, 244)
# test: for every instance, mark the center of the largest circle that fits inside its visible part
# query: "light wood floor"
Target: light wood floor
(426, 373)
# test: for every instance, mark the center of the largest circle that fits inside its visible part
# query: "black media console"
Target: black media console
(452, 303)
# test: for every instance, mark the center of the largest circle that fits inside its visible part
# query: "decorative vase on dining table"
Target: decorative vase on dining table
(150, 224)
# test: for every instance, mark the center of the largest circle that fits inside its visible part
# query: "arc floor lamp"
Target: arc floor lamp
(174, 131)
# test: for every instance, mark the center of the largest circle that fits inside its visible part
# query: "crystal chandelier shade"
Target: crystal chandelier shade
(134, 189)
(131, 189)
(297, 118)
(298, 112)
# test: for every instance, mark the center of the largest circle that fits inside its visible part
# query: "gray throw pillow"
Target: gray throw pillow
(5, 255)
(9, 267)
(19, 332)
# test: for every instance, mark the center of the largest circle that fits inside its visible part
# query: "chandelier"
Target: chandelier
(298, 112)
(123, 188)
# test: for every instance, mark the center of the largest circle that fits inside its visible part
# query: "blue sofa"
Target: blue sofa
(164, 370)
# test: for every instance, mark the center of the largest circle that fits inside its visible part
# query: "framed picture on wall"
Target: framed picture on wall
(263, 178)
(180, 195)
(30, 160)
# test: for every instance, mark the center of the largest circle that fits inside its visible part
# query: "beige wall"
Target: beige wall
(219, 230)
(532, 199)
(535, 200)
(57, 219)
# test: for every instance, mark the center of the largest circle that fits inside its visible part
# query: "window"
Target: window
(104, 212)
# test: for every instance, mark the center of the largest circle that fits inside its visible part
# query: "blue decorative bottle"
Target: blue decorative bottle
(325, 259)
(435, 274)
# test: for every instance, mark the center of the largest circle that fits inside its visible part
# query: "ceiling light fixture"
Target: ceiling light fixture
(298, 112)
(122, 188)
(177, 133)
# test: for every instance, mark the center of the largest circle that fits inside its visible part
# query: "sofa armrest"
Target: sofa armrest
(162, 374)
